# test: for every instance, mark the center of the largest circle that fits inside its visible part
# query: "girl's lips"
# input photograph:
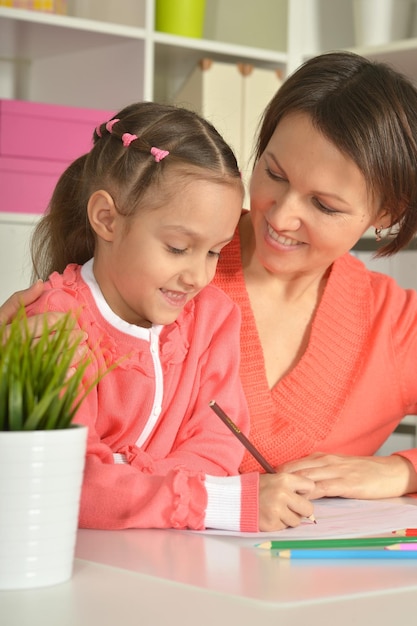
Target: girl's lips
(287, 242)
(175, 298)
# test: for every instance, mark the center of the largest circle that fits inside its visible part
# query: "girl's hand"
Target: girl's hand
(362, 477)
(283, 500)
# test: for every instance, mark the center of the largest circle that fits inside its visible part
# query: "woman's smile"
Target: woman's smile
(283, 240)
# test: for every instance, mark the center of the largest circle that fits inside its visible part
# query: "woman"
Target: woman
(328, 347)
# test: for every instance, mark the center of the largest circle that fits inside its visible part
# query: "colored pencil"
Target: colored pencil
(248, 444)
(242, 438)
(406, 532)
(402, 546)
(347, 554)
(340, 542)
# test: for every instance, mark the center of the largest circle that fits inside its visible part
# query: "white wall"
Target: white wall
(237, 21)
(15, 263)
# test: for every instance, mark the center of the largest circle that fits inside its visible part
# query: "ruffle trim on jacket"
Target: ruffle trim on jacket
(111, 341)
(190, 500)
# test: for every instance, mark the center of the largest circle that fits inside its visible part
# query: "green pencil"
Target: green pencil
(353, 542)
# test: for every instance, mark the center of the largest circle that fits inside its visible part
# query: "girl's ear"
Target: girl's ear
(102, 214)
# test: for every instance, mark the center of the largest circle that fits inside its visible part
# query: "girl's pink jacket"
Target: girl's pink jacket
(152, 436)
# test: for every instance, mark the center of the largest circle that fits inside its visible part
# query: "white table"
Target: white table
(155, 577)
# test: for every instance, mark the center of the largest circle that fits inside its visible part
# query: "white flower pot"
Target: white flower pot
(40, 486)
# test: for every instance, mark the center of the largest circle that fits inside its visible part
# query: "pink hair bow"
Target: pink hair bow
(158, 154)
(127, 139)
(110, 124)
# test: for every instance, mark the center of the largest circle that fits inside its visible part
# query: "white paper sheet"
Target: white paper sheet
(339, 517)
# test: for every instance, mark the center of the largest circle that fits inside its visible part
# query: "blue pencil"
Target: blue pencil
(387, 555)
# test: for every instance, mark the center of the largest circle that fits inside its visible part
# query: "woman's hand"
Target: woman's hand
(283, 500)
(9, 309)
(362, 477)
(35, 324)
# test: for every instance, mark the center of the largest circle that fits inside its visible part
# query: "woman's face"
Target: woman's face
(309, 202)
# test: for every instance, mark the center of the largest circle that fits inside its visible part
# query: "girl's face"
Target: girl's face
(309, 202)
(150, 270)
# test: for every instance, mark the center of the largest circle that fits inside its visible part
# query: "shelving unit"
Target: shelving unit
(84, 62)
(97, 63)
(66, 60)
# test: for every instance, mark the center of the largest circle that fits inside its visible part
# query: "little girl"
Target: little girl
(133, 235)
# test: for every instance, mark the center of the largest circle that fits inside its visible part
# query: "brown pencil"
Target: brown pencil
(236, 431)
(243, 439)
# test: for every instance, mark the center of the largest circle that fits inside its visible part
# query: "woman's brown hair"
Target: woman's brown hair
(369, 112)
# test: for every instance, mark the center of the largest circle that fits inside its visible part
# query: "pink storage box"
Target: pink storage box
(32, 130)
(26, 185)
(37, 142)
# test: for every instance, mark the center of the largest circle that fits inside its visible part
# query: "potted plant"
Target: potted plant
(42, 453)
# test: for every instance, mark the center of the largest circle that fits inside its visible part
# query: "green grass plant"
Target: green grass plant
(39, 390)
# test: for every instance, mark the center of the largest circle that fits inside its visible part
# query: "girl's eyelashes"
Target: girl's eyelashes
(173, 250)
(176, 250)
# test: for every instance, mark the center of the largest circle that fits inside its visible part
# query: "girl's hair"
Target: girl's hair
(369, 112)
(127, 162)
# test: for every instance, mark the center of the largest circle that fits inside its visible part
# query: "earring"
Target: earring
(378, 232)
